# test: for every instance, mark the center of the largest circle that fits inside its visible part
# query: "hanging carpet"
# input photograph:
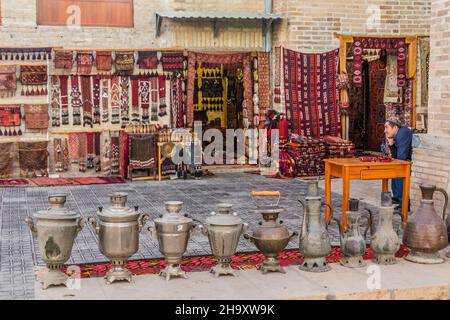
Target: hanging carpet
(104, 60)
(6, 159)
(33, 158)
(10, 115)
(36, 116)
(8, 81)
(142, 151)
(312, 97)
(34, 80)
(148, 60)
(172, 61)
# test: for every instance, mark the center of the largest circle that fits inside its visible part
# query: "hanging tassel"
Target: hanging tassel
(1, 133)
(49, 56)
(32, 92)
(40, 56)
(34, 56)
(17, 56)
(1, 56)
(19, 132)
(9, 132)
(14, 132)
(22, 57)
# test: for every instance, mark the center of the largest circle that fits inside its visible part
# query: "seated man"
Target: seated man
(399, 139)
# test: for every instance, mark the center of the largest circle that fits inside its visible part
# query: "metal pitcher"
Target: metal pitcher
(270, 237)
(353, 243)
(223, 230)
(384, 241)
(56, 229)
(118, 228)
(314, 243)
(426, 233)
(172, 230)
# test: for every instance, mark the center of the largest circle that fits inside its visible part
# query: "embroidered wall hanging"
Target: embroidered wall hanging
(8, 81)
(64, 86)
(148, 60)
(263, 81)
(142, 151)
(96, 99)
(55, 101)
(125, 62)
(64, 60)
(58, 154)
(34, 80)
(6, 159)
(73, 147)
(85, 62)
(135, 114)
(10, 116)
(115, 100)
(154, 94)
(104, 60)
(424, 52)
(144, 96)
(76, 100)
(172, 61)
(82, 152)
(312, 98)
(87, 100)
(33, 159)
(177, 102)
(396, 46)
(25, 54)
(124, 100)
(105, 100)
(66, 159)
(36, 116)
(115, 153)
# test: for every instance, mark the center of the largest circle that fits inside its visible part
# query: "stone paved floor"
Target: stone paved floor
(19, 252)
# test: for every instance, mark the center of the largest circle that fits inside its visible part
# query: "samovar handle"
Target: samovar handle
(294, 234)
(369, 224)
(153, 233)
(331, 216)
(80, 224)
(445, 194)
(31, 225)
(94, 223)
(267, 194)
(142, 220)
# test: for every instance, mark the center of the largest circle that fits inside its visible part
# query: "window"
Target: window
(88, 13)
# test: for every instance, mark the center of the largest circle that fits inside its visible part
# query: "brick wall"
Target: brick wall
(431, 163)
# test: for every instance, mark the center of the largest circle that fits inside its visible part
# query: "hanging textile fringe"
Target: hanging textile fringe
(29, 54)
(34, 80)
(55, 101)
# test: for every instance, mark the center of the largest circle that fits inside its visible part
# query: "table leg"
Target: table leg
(345, 196)
(405, 196)
(385, 187)
(327, 192)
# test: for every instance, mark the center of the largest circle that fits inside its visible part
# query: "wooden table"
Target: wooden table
(352, 168)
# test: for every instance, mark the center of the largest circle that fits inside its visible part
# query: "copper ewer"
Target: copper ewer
(426, 233)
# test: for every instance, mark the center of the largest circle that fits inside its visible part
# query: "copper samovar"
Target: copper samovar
(118, 228)
(172, 230)
(224, 230)
(56, 229)
(270, 237)
(426, 233)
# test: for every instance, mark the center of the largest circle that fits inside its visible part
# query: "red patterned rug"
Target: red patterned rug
(50, 182)
(15, 182)
(242, 261)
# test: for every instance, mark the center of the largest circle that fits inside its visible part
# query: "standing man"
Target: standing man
(399, 139)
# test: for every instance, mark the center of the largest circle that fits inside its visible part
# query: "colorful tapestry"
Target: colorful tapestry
(424, 56)
(82, 151)
(105, 100)
(264, 81)
(36, 116)
(124, 100)
(64, 85)
(33, 158)
(34, 80)
(104, 60)
(66, 160)
(396, 46)
(144, 96)
(392, 93)
(115, 100)
(85, 62)
(241, 60)
(376, 116)
(154, 92)
(86, 95)
(73, 147)
(8, 81)
(25, 54)
(142, 151)
(125, 62)
(277, 76)
(6, 159)
(96, 100)
(64, 60)
(76, 100)
(115, 153)
(135, 112)
(408, 103)
(58, 150)
(10, 116)
(172, 61)
(55, 101)
(176, 103)
(124, 154)
(312, 97)
(148, 59)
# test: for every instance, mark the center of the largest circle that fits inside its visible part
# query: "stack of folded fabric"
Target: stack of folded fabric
(338, 148)
(308, 154)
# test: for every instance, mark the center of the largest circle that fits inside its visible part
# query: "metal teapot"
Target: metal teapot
(223, 230)
(353, 243)
(314, 243)
(118, 228)
(426, 233)
(56, 229)
(270, 237)
(384, 241)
